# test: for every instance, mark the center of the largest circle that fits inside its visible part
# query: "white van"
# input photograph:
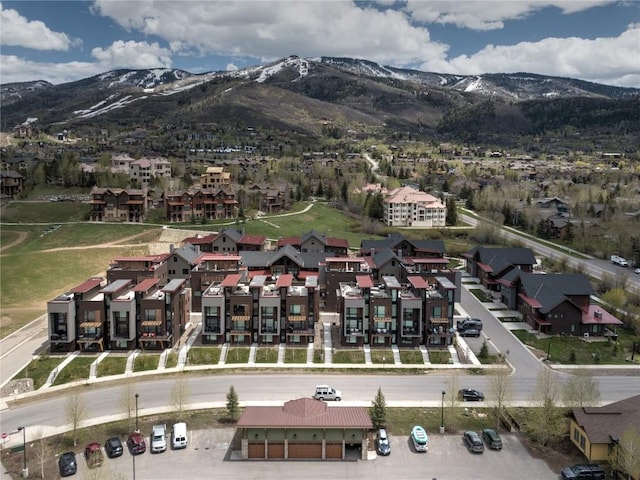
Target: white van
(325, 392)
(179, 436)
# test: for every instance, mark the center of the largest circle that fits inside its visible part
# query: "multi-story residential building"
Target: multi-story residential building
(64, 316)
(557, 303)
(336, 270)
(390, 313)
(189, 205)
(229, 240)
(118, 204)
(210, 268)
(11, 183)
(490, 264)
(260, 310)
(144, 169)
(214, 178)
(164, 312)
(408, 207)
(313, 241)
(269, 198)
(120, 315)
(139, 268)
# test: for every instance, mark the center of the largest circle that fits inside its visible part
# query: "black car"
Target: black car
(383, 446)
(584, 471)
(113, 447)
(471, 395)
(67, 464)
(473, 441)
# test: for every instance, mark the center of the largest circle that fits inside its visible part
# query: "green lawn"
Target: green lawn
(318, 356)
(238, 355)
(574, 350)
(439, 356)
(384, 356)
(203, 355)
(146, 361)
(480, 295)
(295, 355)
(39, 369)
(112, 365)
(348, 356)
(77, 369)
(266, 354)
(411, 356)
(172, 360)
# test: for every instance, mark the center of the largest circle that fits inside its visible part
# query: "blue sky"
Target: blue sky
(60, 41)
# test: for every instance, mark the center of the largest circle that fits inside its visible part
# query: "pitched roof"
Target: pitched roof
(602, 423)
(303, 413)
(552, 289)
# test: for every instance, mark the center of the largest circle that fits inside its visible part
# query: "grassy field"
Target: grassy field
(203, 355)
(295, 355)
(266, 354)
(383, 356)
(348, 356)
(575, 350)
(238, 355)
(439, 356)
(112, 365)
(39, 369)
(411, 356)
(77, 369)
(146, 361)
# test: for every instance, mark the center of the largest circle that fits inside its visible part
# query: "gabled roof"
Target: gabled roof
(602, 423)
(87, 285)
(500, 256)
(252, 240)
(552, 289)
(304, 413)
(188, 252)
(382, 257)
(394, 239)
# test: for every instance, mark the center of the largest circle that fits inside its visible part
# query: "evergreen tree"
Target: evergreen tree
(233, 406)
(376, 207)
(378, 410)
(452, 212)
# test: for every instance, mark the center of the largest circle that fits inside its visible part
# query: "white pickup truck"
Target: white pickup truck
(617, 260)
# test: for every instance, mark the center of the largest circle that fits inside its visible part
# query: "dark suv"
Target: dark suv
(67, 464)
(584, 471)
(113, 446)
(469, 324)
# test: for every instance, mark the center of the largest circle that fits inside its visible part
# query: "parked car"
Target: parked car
(383, 446)
(584, 471)
(420, 439)
(136, 443)
(179, 436)
(469, 323)
(473, 441)
(113, 447)
(325, 392)
(637, 270)
(470, 395)
(159, 438)
(492, 439)
(93, 454)
(471, 332)
(67, 464)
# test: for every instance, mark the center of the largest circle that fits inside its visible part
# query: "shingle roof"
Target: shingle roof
(553, 289)
(611, 420)
(305, 412)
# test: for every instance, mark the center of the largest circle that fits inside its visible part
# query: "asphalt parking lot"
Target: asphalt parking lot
(208, 456)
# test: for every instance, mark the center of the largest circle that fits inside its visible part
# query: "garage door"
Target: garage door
(334, 450)
(305, 450)
(276, 450)
(256, 450)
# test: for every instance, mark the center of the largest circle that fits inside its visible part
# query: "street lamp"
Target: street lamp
(442, 413)
(25, 470)
(137, 429)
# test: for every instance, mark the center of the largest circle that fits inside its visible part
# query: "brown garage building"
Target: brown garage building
(303, 429)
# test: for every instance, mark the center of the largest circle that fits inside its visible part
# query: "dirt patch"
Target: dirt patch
(556, 456)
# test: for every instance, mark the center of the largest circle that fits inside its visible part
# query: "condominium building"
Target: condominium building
(408, 207)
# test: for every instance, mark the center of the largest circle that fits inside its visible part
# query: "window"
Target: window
(582, 442)
(121, 323)
(295, 309)
(379, 311)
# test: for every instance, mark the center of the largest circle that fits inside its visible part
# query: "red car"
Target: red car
(136, 443)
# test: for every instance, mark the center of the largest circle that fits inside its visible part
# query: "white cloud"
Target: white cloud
(488, 14)
(132, 55)
(17, 31)
(231, 67)
(135, 55)
(275, 29)
(611, 60)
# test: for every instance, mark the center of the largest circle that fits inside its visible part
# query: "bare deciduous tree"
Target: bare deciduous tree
(452, 401)
(180, 393)
(626, 456)
(581, 390)
(127, 402)
(76, 410)
(42, 449)
(545, 424)
(501, 390)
